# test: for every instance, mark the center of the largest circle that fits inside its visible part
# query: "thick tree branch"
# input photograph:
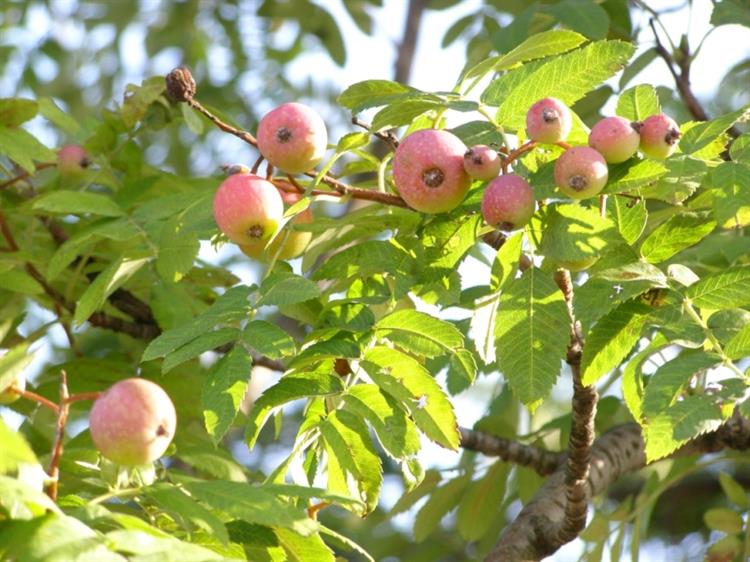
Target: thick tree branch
(409, 38)
(542, 461)
(619, 451)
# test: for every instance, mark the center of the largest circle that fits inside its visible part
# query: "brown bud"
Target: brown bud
(180, 84)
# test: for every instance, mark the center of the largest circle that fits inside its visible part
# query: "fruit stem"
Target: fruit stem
(563, 144)
(35, 398)
(25, 174)
(517, 153)
(83, 396)
(57, 447)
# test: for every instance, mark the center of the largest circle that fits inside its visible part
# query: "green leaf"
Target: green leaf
(350, 141)
(532, 328)
(15, 449)
(22, 501)
(284, 288)
(477, 132)
(373, 93)
(268, 339)
(77, 203)
(347, 438)
(304, 549)
(419, 333)
(182, 507)
(178, 248)
(463, 370)
(416, 390)
(728, 289)
(223, 391)
(291, 387)
(441, 501)
(630, 217)
(638, 102)
(739, 346)
(574, 232)
(733, 490)
(428, 484)
(724, 520)
(395, 431)
(480, 504)
(402, 112)
(231, 306)
(584, 16)
(205, 342)
(695, 415)
(58, 117)
(539, 45)
(14, 111)
(364, 260)
(611, 340)
(149, 544)
(107, 282)
(676, 234)
(669, 380)
(23, 148)
(139, 98)
(568, 77)
(253, 504)
(632, 379)
(704, 134)
(634, 174)
(740, 149)
(13, 363)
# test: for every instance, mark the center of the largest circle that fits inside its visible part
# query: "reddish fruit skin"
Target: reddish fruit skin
(549, 120)
(659, 136)
(428, 170)
(247, 208)
(292, 137)
(581, 172)
(615, 139)
(296, 241)
(72, 159)
(508, 202)
(7, 397)
(133, 422)
(482, 162)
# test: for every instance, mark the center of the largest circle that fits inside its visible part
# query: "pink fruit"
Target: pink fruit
(482, 162)
(133, 422)
(549, 120)
(428, 170)
(72, 159)
(247, 208)
(659, 136)
(508, 202)
(292, 137)
(296, 240)
(581, 172)
(615, 138)
(8, 397)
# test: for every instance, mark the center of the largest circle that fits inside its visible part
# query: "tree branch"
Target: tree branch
(407, 46)
(619, 451)
(542, 461)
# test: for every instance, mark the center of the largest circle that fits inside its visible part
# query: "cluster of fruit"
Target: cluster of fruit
(432, 170)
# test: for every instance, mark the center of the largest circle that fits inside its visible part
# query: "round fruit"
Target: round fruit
(549, 120)
(296, 240)
(615, 138)
(7, 396)
(482, 162)
(72, 159)
(133, 422)
(581, 172)
(292, 137)
(508, 202)
(247, 208)
(659, 136)
(428, 170)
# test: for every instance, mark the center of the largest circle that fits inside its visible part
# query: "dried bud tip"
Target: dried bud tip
(180, 84)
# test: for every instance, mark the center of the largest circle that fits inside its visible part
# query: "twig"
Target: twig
(25, 174)
(57, 448)
(388, 137)
(82, 396)
(33, 396)
(312, 511)
(542, 461)
(517, 153)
